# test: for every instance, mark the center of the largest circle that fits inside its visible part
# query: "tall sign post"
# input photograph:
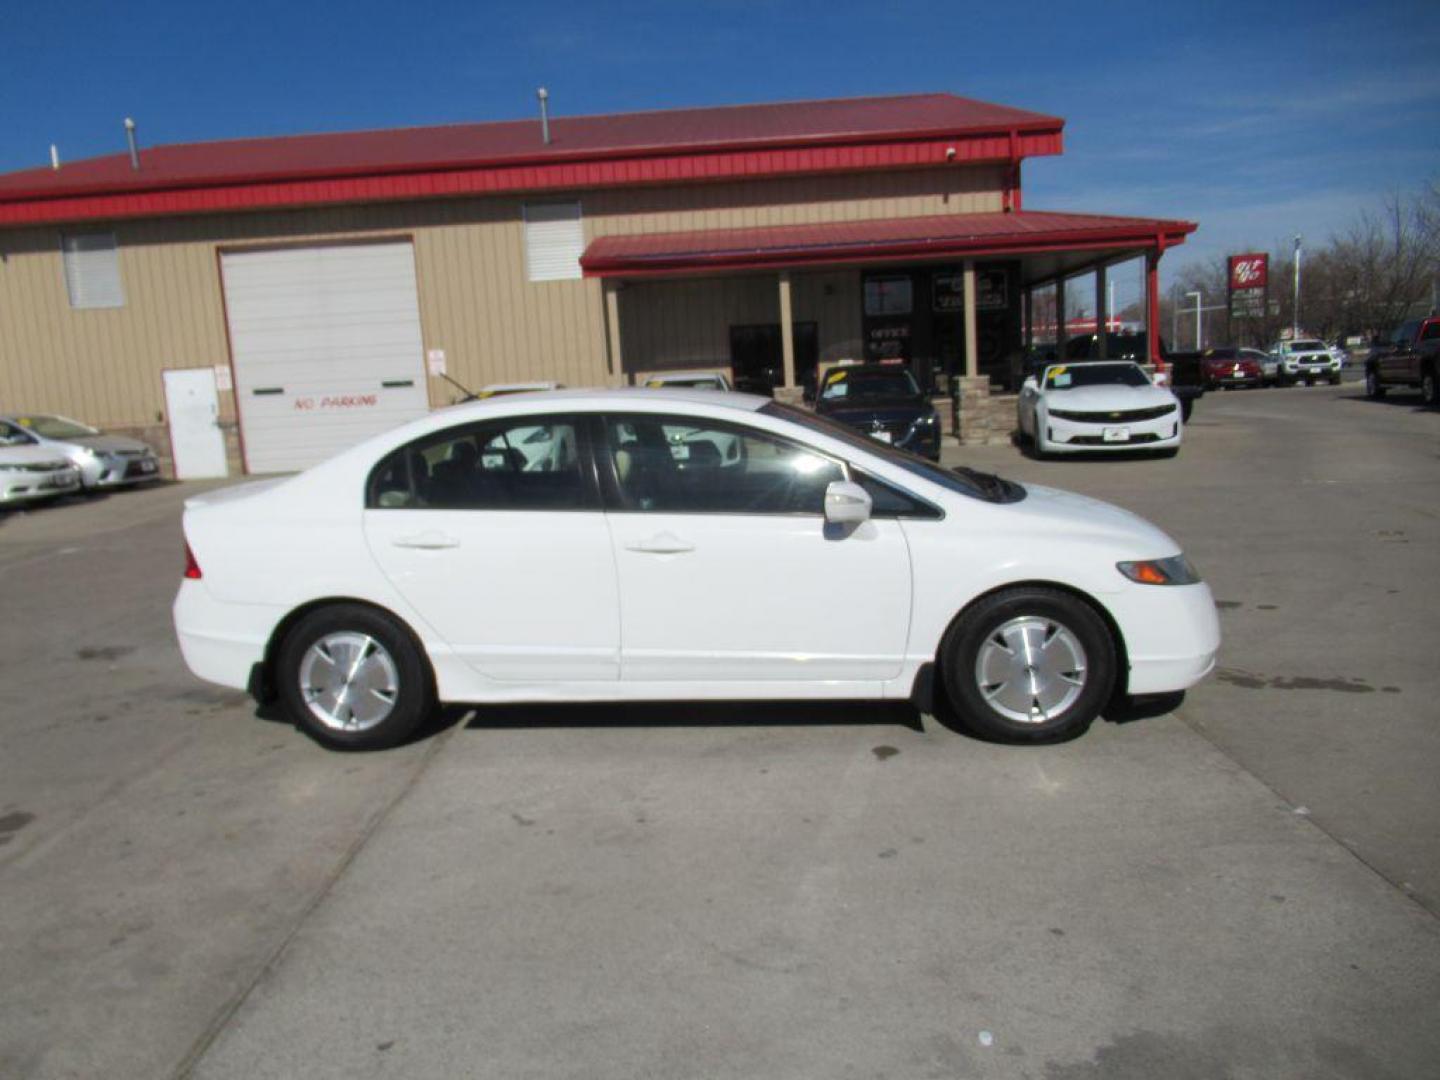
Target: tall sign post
(1249, 284)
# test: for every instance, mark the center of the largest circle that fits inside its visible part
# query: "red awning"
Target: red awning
(940, 236)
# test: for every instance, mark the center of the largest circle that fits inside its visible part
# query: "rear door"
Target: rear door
(493, 532)
(728, 570)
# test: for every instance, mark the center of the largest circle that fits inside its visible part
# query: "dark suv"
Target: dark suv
(1410, 358)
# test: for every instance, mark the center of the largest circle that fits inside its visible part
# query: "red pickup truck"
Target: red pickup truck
(1410, 358)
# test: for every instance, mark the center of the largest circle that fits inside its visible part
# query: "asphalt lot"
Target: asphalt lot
(1247, 886)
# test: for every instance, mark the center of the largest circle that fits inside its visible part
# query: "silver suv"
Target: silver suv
(1304, 360)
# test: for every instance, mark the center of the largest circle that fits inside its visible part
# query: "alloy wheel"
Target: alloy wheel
(1031, 669)
(349, 681)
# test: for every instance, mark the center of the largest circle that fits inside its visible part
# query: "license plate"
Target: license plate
(1116, 434)
(147, 466)
(883, 436)
(62, 481)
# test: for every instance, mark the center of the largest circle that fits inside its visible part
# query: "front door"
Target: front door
(193, 408)
(493, 532)
(728, 569)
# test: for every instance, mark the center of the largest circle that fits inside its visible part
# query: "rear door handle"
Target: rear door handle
(427, 541)
(665, 543)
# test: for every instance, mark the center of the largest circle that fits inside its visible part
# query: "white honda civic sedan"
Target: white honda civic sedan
(675, 545)
(1098, 405)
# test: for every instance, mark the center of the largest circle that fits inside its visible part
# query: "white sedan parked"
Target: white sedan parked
(646, 563)
(1097, 405)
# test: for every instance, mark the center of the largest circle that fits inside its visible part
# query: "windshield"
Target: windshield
(893, 385)
(1069, 376)
(56, 427)
(1306, 346)
(977, 485)
(697, 382)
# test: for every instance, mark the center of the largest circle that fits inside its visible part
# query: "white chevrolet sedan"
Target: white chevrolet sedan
(1097, 405)
(675, 545)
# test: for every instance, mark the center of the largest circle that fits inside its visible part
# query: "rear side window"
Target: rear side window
(1431, 332)
(518, 463)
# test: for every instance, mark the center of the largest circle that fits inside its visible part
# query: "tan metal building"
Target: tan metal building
(278, 299)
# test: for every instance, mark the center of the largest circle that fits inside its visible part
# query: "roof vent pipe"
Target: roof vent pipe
(544, 96)
(54, 157)
(130, 138)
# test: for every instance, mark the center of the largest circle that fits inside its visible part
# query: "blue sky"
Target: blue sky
(1257, 120)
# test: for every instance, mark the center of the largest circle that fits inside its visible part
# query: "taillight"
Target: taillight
(192, 568)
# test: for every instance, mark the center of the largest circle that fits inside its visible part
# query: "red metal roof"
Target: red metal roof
(889, 238)
(517, 142)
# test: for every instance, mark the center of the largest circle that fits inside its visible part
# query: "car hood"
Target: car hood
(1065, 515)
(107, 444)
(854, 412)
(31, 455)
(1109, 398)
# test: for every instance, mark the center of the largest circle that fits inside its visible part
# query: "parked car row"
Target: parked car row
(43, 456)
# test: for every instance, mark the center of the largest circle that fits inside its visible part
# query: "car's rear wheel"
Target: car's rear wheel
(1028, 665)
(353, 679)
(1429, 389)
(1372, 384)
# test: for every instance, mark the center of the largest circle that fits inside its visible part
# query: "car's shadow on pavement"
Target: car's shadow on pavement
(670, 714)
(1411, 401)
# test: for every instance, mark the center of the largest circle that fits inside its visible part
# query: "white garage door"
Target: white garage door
(327, 348)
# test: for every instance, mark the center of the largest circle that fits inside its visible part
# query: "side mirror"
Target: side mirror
(846, 503)
(1030, 383)
(1161, 378)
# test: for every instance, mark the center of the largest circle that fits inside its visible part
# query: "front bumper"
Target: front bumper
(1295, 372)
(1077, 436)
(1171, 632)
(23, 486)
(118, 470)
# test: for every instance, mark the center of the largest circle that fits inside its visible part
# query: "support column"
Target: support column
(1102, 314)
(1060, 318)
(1030, 318)
(787, 330)
(1152, 305)
(972, 339)
(612, 329)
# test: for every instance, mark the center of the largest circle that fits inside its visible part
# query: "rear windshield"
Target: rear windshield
(1069, 376)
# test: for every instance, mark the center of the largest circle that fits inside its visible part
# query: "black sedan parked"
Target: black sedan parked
(883, 401)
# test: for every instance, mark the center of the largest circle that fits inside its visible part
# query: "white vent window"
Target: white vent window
(554, 241)
(92, 270)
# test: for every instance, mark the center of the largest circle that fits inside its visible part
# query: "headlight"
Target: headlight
(928, 420)
(1175, 570)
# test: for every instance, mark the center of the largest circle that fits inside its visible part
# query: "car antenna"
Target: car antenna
(470, 395)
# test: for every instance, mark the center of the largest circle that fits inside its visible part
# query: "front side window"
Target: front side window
(683, 465)
(10, 435)
(518, 463)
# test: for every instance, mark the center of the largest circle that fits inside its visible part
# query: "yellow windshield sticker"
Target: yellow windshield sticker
(655, 384)
(834, 377)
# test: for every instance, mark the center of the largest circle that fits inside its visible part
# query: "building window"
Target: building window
(554, 241)
(888, 296)
(92, 270)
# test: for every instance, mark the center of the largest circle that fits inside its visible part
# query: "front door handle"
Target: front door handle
(427, 541)
(665, 543)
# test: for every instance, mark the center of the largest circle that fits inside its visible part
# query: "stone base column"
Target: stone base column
(790, 395)
(973, 416)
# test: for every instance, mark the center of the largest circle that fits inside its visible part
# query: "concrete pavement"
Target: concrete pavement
(1246, 887)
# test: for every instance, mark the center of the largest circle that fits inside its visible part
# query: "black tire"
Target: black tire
(1373, 387)
(981, 623)
(1187, 406)
(1334, 380)
(413, 692)
(1430, 387)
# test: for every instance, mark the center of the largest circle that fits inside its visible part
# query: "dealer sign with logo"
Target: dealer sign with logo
(1249, 278)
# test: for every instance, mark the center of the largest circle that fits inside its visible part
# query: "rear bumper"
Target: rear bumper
(221, 643)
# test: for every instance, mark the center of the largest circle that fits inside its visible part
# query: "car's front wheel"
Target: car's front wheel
(353, 679)
(1028, 665)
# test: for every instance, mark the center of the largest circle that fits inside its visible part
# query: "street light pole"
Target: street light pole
(1198, 298)
(1295, 307)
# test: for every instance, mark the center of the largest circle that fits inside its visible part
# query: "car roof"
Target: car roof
(610, 398)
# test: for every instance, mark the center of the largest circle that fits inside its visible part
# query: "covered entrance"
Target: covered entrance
(952, 295)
